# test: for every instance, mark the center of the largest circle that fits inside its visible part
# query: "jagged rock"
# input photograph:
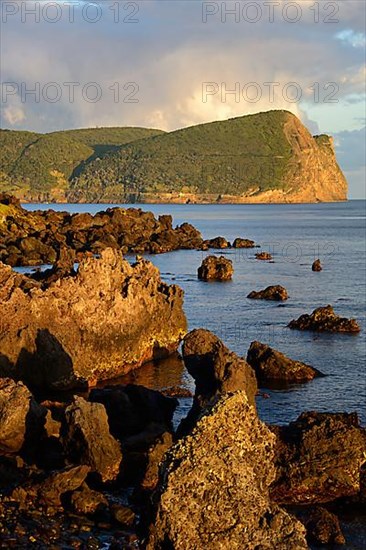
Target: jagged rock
(109, 318)
(214, 486)
(217, 242)
(87, 440)
(216, 269)
(317, 266)
(88, 501)
(263, 256)
(154, 457)
(270, 364)
(319, 458)
(324, 319)
(21, 418)
(322, 527)
(243, 243)
(136, 415)
(277, 293)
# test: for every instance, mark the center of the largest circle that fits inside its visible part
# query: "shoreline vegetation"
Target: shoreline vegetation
(86, 460)
(268, 157)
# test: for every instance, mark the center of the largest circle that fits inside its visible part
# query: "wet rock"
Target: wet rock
(322, 527)
(277, 293)
(21, 418)
(109, 318)
(317, 266)
(270, 364)
(263, 256)
(86, 501)
(319, 458)
(217, 242)
(324, 319)
(214, 486)
(87, 440)
(243, 243)
(216, 269)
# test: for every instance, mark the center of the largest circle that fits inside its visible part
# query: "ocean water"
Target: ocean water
(295, 235)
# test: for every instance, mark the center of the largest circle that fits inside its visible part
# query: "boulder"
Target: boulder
(154, 457)
(322, 527)
(263, 256)
(276, 293)
(21, 418)
(272, 365)
(215, 268)
(243, 243)
(319, 458)
(86, 439)
(317, 266)
(213, 489)
(87, 501)
(324, 319)
(217, 242)
(98, 324)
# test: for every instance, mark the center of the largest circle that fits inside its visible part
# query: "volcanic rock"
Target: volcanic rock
(214, 486)
(323, 319)
(270, 364)
(317, 266)
(319, 458)
(87, 440)
(102, 322)
(277, 293)
(216, 269)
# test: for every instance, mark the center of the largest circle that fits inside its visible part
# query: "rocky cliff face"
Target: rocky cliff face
(97, 324)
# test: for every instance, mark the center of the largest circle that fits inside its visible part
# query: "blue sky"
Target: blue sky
(149, 63)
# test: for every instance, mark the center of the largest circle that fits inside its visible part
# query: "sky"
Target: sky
(169, 64)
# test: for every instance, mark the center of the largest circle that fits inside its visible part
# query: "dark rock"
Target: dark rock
(322, 527)
(217, 242)
(216, 269)
(214, 484)
(106, 320)
(277, 293)
(324, 319)
(123, 515)
(270, 364)
(319, 458)
(263, 256)
(87, 440)
(21, 418)
(154, 458)
(86, 501)
(317, 266)
(243, 243)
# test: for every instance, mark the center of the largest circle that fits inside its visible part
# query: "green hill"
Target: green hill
(40, 166)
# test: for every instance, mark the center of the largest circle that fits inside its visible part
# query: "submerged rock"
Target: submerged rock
(324, 319)
(216, 269)
(86, 439)
(105, 320)
(21, 417)
(322, 527)
(214, 486)
(270, 364)
(277, 293)
(317, 266)
(263, 256)
(319, 458)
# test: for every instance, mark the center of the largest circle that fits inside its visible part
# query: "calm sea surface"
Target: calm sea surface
(295, 235)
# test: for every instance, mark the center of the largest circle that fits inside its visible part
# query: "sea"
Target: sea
(295, 235)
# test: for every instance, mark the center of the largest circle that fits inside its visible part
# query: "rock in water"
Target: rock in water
(106, 320)
(323, 319)
(243, 243)
(322, 527)
(276, 293)
(263, 256)
(216, 269)
(19, 414)
(319, 458)
(270, 364)
(317, 266)
(87, 440)
(214, 486)
(217, 242)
